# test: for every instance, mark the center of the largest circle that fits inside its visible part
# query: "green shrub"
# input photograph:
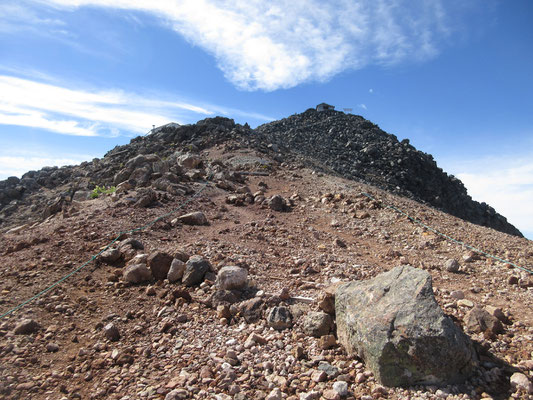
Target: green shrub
(98, 190)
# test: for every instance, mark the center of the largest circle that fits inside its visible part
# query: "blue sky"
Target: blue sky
(78, 77)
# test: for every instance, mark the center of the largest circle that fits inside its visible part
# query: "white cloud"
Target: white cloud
(371, 90)
(281, 43)
(505, 183)
(83, 112)
(363, 106)
(17, 165)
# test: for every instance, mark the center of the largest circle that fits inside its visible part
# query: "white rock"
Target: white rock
(231, 277)
(520, 381)
(275, 394)
(341, 388)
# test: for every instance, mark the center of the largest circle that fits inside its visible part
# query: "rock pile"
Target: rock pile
(358, 149)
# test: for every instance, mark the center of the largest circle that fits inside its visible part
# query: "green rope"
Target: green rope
(44, 291)
(417, 221)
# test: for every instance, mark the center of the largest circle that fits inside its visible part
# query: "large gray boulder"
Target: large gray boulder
(394, 323)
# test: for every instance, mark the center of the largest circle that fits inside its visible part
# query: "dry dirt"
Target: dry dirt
(70, 357)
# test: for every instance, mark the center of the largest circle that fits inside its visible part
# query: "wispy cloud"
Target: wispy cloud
(363, 106)
(505, 183)
(76, 111)
(282, 43)
(84, 112)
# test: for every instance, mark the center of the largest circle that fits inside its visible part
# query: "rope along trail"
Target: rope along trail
(417, 221)
(58, 282)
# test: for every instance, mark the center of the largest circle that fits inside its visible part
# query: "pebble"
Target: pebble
(341, 388)
(310, 396)
(26, 327)
(465, 303)
(275, 394)
(331, 394)
(520, 381)
(52, 347)
(457, 294)
(451, 265)
(319, 376)
(111, 332)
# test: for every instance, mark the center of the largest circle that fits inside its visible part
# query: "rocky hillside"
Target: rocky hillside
(219, 267)
(330, 141)
(358, 149)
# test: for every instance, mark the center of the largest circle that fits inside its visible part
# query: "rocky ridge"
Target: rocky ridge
(330, 141)
(357, 149)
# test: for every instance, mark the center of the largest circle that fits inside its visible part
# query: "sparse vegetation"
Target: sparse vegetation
(99, 190)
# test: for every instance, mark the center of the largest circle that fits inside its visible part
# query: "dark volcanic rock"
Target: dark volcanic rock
(358, 149)
(195, 270)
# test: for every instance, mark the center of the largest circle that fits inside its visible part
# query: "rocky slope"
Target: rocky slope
(214, 199)
(358, 149)
(330, 141)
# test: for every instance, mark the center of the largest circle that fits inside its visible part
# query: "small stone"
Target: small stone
(223, 311)
(195, 270)
(331, 394)
(275, 394)
(513, 280)
(360, 378)
(279, 318)
(520, 381)
(232, 278)
(341, 388)
(52, 347)
(298, 352)
(339, 243)
(329, 369)
(110, 256)
(124, 359)
(137, 273)
(457, 294)
(498, 313)
(318, 376)
(465, 303)
(111, 332)
(159, 263)
(205, 372)
(177, 268)
(284, 294)
(327, 303)
(451, 265)
(317, 323)
(479, 320)
(327, 342)
(277, 203)
(310, 396)
(150, 291)
(26, 327)
(194, 218)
